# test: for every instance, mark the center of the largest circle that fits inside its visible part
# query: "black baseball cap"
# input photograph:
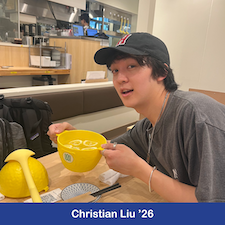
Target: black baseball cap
(136, 44)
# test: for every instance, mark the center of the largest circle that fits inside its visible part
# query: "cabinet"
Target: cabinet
(47, 56)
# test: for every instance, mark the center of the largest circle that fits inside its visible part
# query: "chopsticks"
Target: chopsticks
(104, 190)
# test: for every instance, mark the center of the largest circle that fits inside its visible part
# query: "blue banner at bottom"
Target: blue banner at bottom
(111, 213)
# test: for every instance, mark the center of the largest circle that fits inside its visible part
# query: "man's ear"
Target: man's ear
(161, 78)
(166, 65)
(166, 72)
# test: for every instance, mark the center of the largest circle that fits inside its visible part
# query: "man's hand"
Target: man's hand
(57, 129)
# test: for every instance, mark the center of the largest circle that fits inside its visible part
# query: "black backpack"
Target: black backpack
(34, 116)
(11, 138)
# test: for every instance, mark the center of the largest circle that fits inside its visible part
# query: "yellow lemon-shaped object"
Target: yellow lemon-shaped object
(12, 180)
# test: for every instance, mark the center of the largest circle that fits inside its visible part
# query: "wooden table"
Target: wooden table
(131, 190)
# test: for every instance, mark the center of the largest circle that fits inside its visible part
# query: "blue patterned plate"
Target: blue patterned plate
(79, 189)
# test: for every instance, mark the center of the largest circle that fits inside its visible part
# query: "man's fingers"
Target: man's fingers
(102, 152)
(111, 146)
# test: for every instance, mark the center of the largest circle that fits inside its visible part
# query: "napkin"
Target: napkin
(110, 177)
(1, 197)
(49, 197)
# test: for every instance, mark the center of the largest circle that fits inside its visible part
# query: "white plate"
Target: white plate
(79, 189)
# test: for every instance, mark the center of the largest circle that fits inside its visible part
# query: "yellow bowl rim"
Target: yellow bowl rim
(71, 151)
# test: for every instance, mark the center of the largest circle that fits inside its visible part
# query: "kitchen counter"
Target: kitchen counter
(12, 45)
(19, 71)
(81, 37)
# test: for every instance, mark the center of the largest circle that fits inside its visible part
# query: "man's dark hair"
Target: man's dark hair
(85, 17)
(159, 69)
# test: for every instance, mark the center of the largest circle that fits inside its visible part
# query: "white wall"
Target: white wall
(194, 32)
(146, 11)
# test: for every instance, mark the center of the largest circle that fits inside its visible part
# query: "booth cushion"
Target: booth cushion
(100, 99)
(68, 104)
(63, 104)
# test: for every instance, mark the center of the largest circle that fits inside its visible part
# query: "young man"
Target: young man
(84, 19)
(178, 149)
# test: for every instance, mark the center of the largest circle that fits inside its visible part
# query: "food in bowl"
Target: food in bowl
(81, 145)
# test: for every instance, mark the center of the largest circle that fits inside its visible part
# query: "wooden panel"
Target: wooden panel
(96, 80)
(218, 96)
(82, 52)
(14, 56)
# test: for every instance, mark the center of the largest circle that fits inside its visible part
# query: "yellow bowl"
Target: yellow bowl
(80, 160)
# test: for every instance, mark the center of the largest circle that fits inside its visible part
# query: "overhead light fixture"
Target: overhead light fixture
(24, 8)
(44, 13)
(72, 15)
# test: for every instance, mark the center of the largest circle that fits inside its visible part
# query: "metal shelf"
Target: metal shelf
(40, 52)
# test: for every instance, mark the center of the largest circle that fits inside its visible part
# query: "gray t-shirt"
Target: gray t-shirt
(188, 143)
